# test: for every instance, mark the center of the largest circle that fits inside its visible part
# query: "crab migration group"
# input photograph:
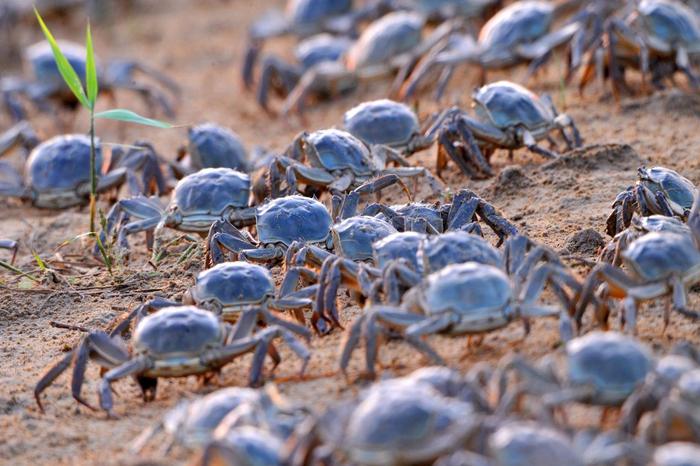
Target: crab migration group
(386, 278)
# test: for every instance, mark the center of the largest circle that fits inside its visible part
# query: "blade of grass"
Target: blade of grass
(14, 269)
(128, 116)
(90, 69)
(39, 261)
(64, 67)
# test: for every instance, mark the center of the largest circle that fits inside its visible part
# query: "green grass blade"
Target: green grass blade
(131, 117)
(90, 69)
(39, 261)
(64, 67)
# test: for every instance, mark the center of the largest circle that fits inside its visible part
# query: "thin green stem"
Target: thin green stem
(93, 172)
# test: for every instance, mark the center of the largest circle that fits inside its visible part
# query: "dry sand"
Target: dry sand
(200, 44)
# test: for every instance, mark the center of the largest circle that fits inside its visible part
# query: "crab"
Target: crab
(174, 341)
(659, 191)
(197, 422)
(337, 161)
(281, 77)
(391, 43)
(211, 146)
(460, 214)
(397, 422)
(603, 369)
(512, 442)
(655, 394)
(57, 173)
(468, 298)
(45, 85)
(245, 445)
(507, 116)
(231, 288)
(659, 37)
(676, 453)
(197, 201)
(519, 33)
(386, 122)
(10, 245)
(640, 226)
(659, 264)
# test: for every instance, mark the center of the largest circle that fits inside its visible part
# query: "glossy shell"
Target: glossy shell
(398, 246)
(507, 104)
(311, 12)
(62, 163)
(656, 256)
(382, 122)
(689, 386)
(679, 191)
(402, 423)
(177, 331)
(339, 150)
(613, 363)
(212, 191)
(233, 284)
(39, 58)
(677, 454)
(194, 422)
(384, 39)
(321, 48)
(456, 247)
(354, 236)
(671, 22)
(516, 24)
(478, 293)
(293, 218)
(252, 446)
(212, 146)
(520, 443)
(660, 223)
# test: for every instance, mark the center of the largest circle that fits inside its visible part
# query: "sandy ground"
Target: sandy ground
(200, 44)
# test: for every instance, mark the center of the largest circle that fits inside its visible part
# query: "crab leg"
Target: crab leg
(23, 134)
(275, 70)
(12, 246)
(131, 367)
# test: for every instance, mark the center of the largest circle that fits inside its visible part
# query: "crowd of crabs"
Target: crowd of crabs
(416, 269)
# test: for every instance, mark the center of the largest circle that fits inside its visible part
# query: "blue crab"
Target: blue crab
(173, 341)
(45, 84)
(57, 173)
(211, 146)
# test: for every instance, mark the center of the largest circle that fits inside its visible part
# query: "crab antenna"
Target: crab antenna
(79, 328)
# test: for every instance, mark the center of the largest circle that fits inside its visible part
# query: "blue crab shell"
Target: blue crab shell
(507, 104)
(354, 236)
(672, 22)
(382, 122)
(655, 256)
(516, 24)
(177, 331)
(293, 218)
(338, 150)
(234, 283)
(62, 163)
(212, 146)
(613, 363)
(212, 191)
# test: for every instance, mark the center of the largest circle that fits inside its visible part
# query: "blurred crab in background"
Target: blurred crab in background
(658, 37)
(522, 32)
(45, 87)
(388, 44)
(57, 172)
